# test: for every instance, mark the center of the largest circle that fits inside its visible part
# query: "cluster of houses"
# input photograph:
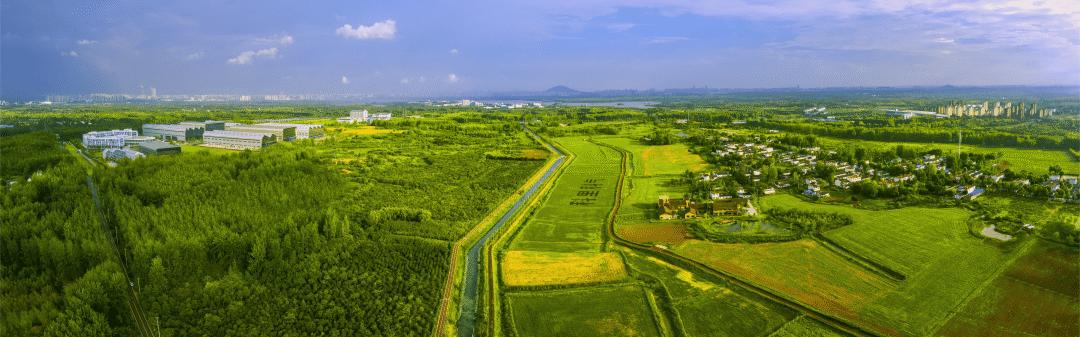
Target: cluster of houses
(688, 209)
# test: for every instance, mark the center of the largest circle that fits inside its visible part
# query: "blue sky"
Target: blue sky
(448, 47)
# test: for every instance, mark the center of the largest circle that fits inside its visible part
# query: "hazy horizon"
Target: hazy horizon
(417, 49)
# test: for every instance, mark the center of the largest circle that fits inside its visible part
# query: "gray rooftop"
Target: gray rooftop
(158, 145)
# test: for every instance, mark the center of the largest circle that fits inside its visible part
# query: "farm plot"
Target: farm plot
(658, 160)
(592, 311)
(531, 268)
(662, 233)
(805, 327)
(573, 214)
(1039, 295)
(906, 240)
(803, 270)
(712, 309)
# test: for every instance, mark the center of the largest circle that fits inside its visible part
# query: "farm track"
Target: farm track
(671, 257)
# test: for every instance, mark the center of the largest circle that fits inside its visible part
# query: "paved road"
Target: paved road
(466, 323)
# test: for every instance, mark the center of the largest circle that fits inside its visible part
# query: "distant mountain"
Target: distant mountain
(562, 90)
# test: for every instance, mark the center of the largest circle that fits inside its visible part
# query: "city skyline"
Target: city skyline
(444, 49)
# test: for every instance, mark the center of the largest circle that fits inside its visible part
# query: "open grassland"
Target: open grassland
(705, 308)
(943, 264)
(654, 171)
(594, 311)
(805, 327)
(662, 233)
(1036, 296)
(803, 270)
(572, 217)
(365, 130)
(1032, 160)
(905, 240)
(530, 268)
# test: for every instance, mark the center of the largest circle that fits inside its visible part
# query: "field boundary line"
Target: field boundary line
(980, 289)
(836, 322)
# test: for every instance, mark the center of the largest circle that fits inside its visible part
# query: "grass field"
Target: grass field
(591, 311)
(710, 309)
(805, 327)
(572, 217)
(365, 130)
(531, 268)
(1039, 295)
(930, 246)
(803, 270)
(905, 240)
(1033, 160)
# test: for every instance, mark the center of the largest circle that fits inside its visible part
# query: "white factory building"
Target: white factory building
(362, 116)
(121, 154)
(108, 139)
(237, 140)
(303, 131)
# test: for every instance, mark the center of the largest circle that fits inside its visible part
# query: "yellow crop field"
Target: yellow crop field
(532, 268)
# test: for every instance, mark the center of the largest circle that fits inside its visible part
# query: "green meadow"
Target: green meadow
(621, 310)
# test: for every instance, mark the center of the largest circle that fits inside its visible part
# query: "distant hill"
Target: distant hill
(562, 90)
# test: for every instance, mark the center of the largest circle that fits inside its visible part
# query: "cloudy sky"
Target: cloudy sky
(445, 47)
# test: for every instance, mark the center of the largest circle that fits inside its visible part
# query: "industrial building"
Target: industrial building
(108, 139)
(237, 140)
(284, 133)
(135, 141)
(207, 125)
(303, 131)
(176, 132)
(362, 116)
(121, 154)
(156, 147)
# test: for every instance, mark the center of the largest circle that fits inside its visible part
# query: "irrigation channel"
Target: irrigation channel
(466, 323)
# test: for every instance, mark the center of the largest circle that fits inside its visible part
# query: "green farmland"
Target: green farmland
(1032, 160)
(592, 311)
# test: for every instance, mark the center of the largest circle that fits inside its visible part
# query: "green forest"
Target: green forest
(348, 236)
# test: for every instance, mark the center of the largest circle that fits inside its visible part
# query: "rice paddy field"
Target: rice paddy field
(1039, 295)
(622, 310)
(572, 217)
(533, 268)
(655, 233)
(705, 308)
(805, 327)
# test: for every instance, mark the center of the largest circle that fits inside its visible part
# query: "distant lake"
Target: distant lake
(632, 105)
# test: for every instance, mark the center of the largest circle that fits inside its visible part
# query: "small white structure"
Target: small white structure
(107, 139)
(362, 116)
(112, 153)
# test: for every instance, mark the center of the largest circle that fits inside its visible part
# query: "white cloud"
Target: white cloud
(452, 78)
(620, 27)
(69, 53)
(944, 40)
(283, 40)
(404, 80)
(344, 80)
(384, 30)
(195, 56)
(422, 79)
(454, 51)
(250, 55)
(85, 42)
(667, 39)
